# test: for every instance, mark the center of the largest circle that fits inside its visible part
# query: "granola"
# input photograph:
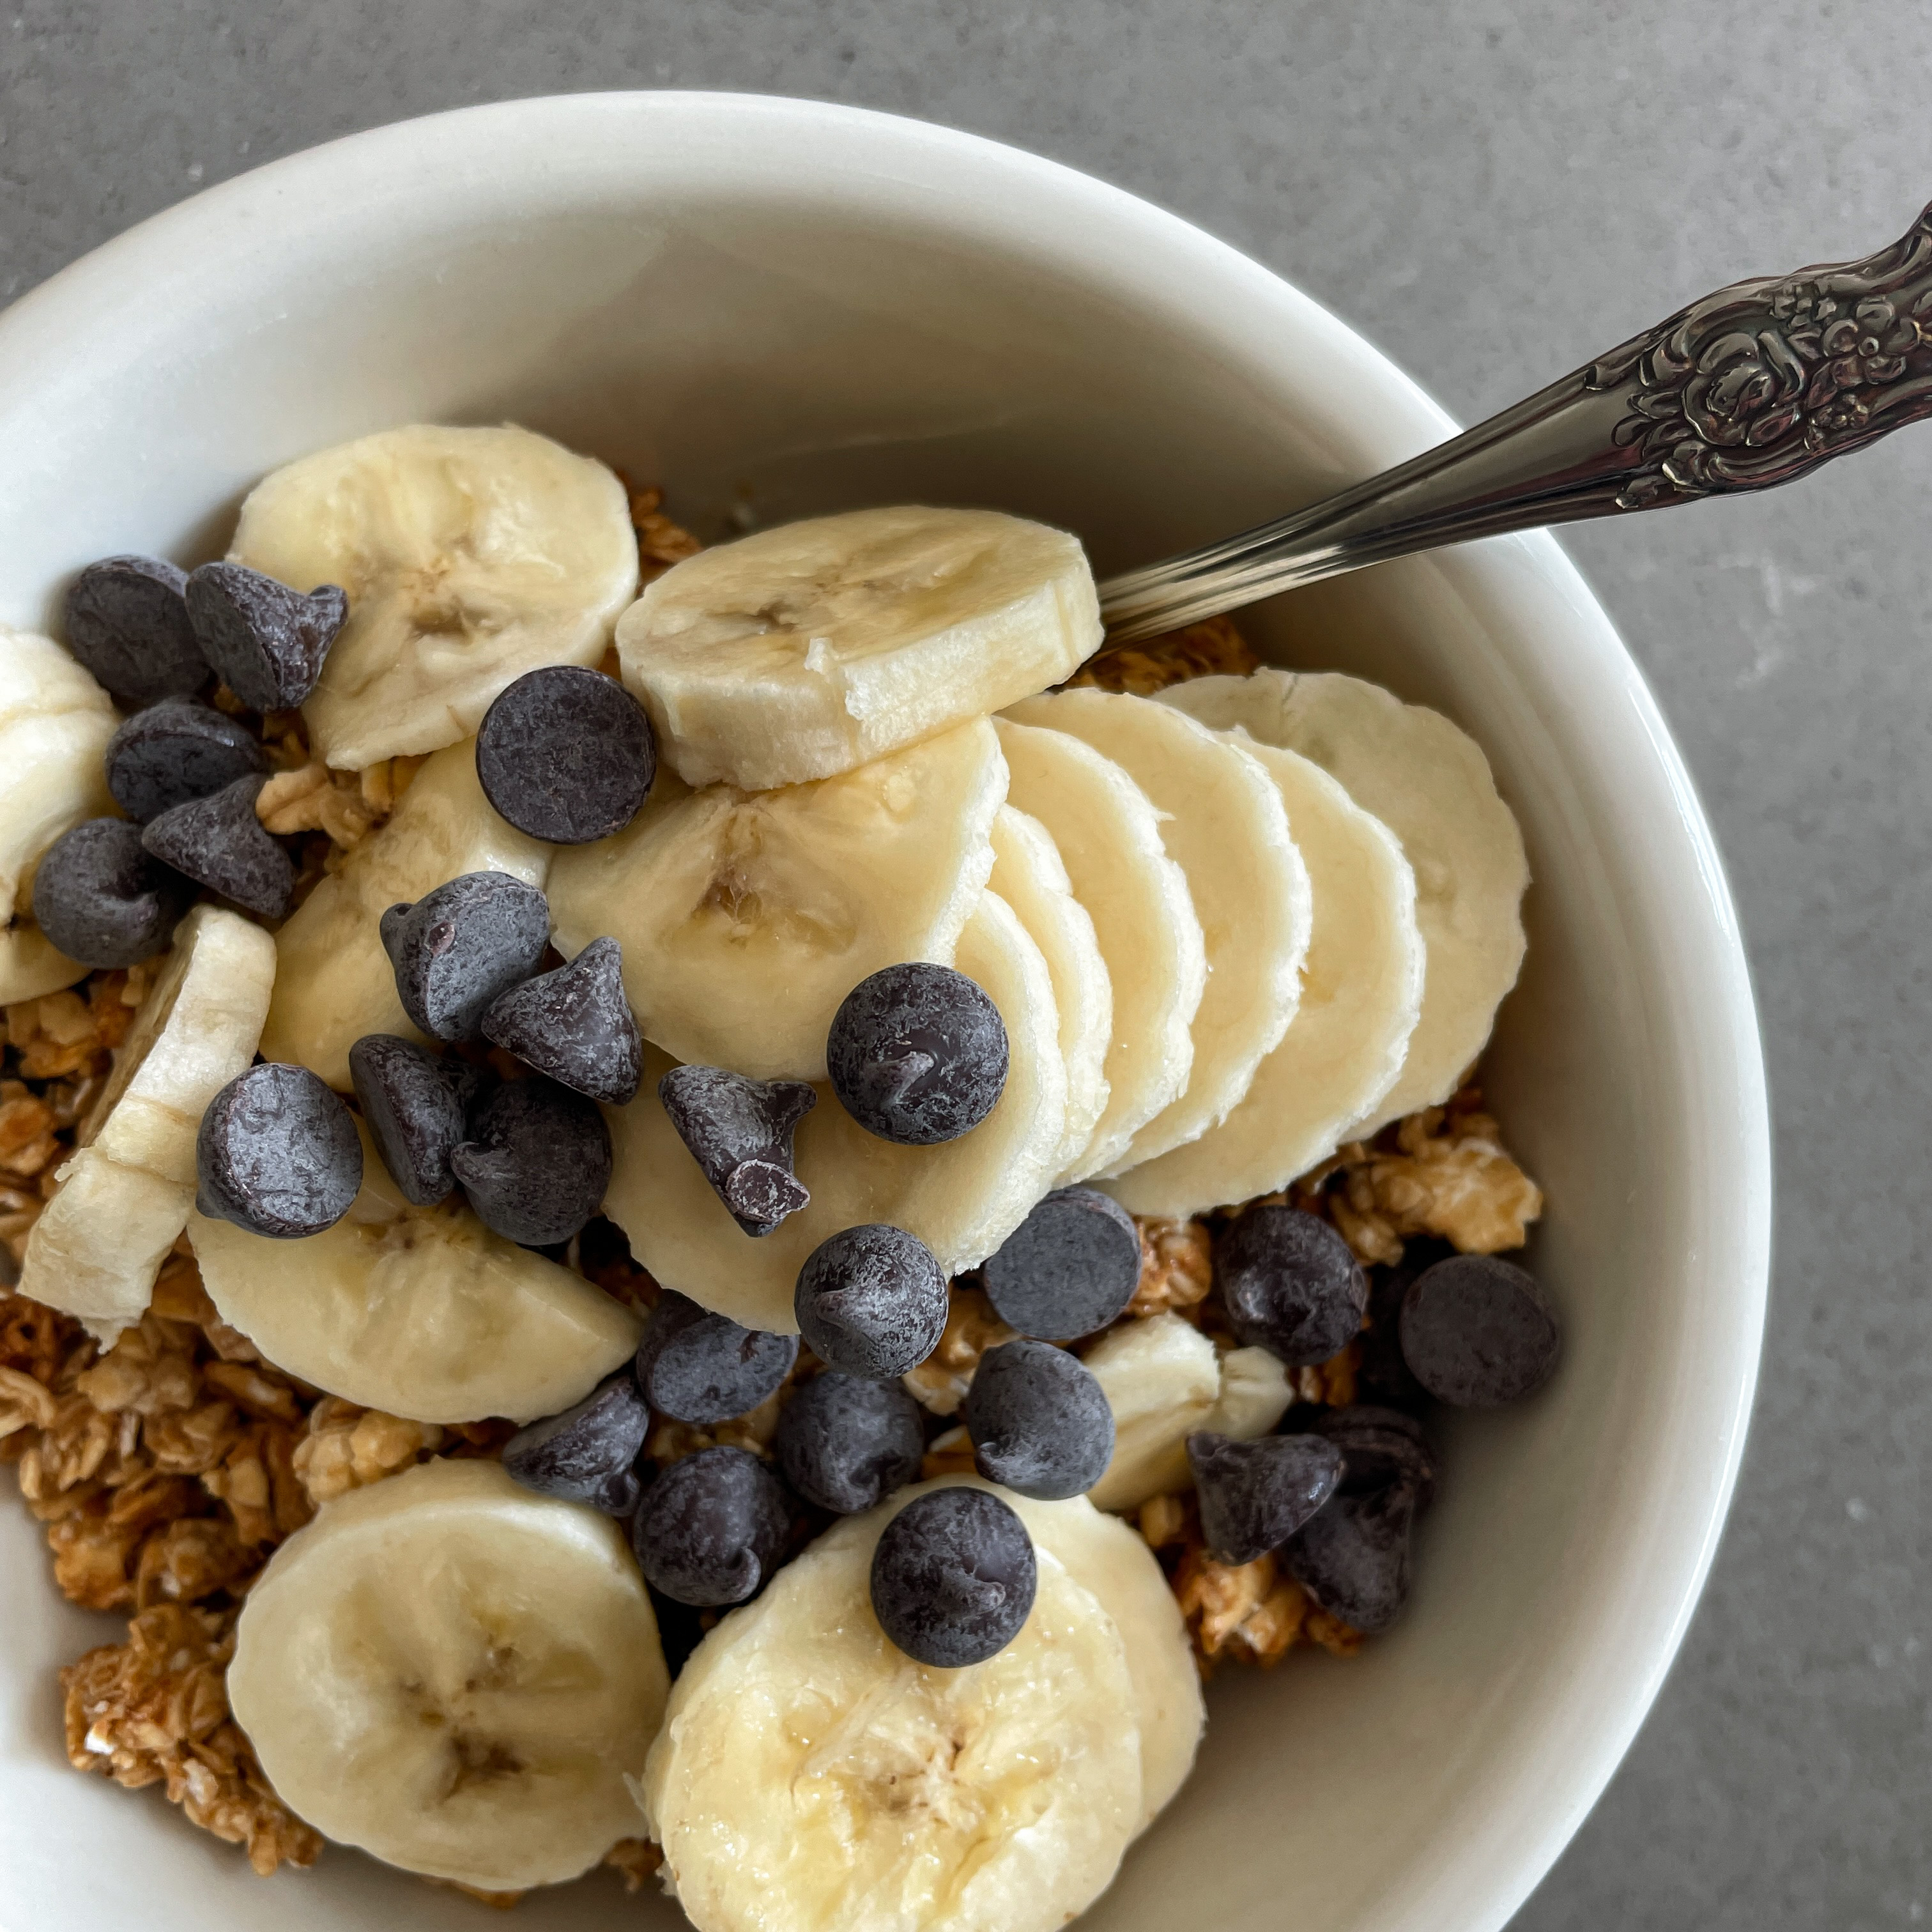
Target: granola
(972, 1327)
(1212, 647)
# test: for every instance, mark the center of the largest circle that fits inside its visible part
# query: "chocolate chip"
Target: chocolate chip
(458, 948)
(953, 1577)
(219, 843)
(1477, 1331)
(574, 1024)
(739, 1132)
(871, 1300)
(1290, 1284)
(917, 1054)
(1039, 1420)
(537, 1161)
(712, 1527)
(584, 1453)
(127, 623)
(1382, 1375)
(413, 1111)
(566, 754)
(175, 750)
(1069, 1268)
(103, 899)
(696, 1365)
(846, 1443)
(1352, 1556)
(278, 1154)
(1379, 1447)
(265, 641)
(1255, 1495)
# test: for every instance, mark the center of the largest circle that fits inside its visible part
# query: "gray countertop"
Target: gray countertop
(1494, 190)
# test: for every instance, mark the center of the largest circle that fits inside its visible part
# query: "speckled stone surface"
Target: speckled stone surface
(1493, 190)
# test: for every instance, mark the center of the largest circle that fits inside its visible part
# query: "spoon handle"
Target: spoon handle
(1760, 383)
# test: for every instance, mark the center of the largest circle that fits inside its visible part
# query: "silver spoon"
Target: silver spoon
(1757, 384)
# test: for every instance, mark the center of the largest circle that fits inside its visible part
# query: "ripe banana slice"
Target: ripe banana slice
(455, 1675)
(746, 917)
(962, 1199)
(1108, 837)
(1223, 823)
(808, 1775)
(126, 1195)
(805, 650)
(1361, 994)
(1430, 784)
(1162, 1378)
(1102, 1555)
(334, 982)
(1029, 875)
(420, 1312)
(469, 555)
(55, 724)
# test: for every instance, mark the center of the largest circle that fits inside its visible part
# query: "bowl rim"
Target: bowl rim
(1380, 416)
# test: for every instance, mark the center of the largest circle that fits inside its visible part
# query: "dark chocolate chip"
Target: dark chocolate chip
(1255, 1495)
(846, 1443)
(574, 1024)
(696, 1365)
(739, 1132)
(871, 1300)
(1352, 1556)
(1069, 1268)
(103, 899)
(1477, 1331)
(537, 1162)
(1290, 1284)
(953, 1577)
(583, 1454)
(1039, 1420)
(917, 1054)
(712, 1527)
(458, 948)
(175, 750)
(1382, 1375)
(413, 1111)
(278, 1154)
(1379, 1447)
(219, 843)
(264, 640)
(566, 754)
(127, 623)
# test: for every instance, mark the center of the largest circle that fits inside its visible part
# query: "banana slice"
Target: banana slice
(810, 1776)
(421, 1311)
(1102, 1555)
(1430, 784)
(334, 982)
(455, 1675)
(55, 724)
(746, 917)
(803, 651)
(1162, 1378)
(1108, 837)
(1223, 823)
(125, 1196)
(469, 555)
(1361, 995)
(962, 1199)
(1029, 875)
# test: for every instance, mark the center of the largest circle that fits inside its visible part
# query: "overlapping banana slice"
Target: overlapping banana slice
(1224, 824)
(809, 1774)
(469, 555)
(1361, 994)
(421, 1311)
(456, 1676)
(962, 1199)
(1430, 784)
(1109, 839)
(55, 724)
(746, 917)
(802, 651)
(334, 982)
(125, 1196)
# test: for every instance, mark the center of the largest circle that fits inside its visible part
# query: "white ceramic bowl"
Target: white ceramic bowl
(806, 307)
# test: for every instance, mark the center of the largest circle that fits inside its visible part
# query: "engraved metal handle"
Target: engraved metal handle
(1757, 384)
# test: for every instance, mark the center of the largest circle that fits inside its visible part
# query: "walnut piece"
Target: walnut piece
(1212, 647)
(1176, 1266)
(940, 1382)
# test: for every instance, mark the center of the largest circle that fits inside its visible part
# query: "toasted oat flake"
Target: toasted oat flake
(940, 1382)
(1176, 1266)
